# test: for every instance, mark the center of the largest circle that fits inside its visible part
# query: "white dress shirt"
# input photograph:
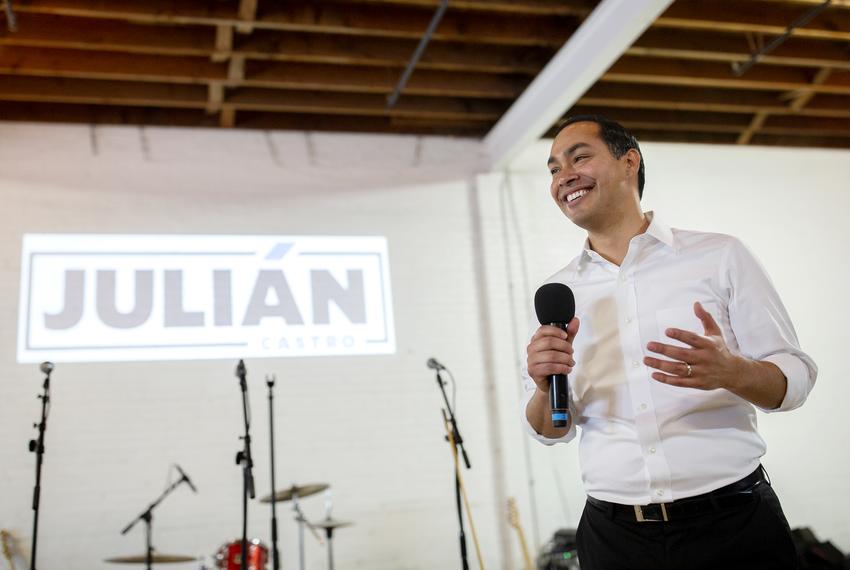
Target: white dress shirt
(643, 441)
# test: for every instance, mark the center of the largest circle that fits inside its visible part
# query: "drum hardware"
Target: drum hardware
(294, 493)
(147, 516)
(158, 558)
(330, 524)
(300, 491)
(302, 522)
(229, 556)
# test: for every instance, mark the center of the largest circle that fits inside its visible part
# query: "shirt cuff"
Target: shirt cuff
(542, 438)
(798, 384)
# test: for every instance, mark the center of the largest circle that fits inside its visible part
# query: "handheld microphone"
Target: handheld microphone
(555, 305)
(434, 364)
(240, 369)
(186, 478)
(46, 367)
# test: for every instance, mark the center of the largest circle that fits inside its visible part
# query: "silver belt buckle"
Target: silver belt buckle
(640, 518)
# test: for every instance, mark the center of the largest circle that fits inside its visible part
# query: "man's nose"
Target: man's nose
(566, 177)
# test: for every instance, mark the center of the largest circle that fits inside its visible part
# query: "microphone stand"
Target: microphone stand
(37, 447)
(457, 442)
(147, 516)
(270, 380)
(243, 458)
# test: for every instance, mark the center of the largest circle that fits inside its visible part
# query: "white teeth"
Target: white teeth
(575, 195)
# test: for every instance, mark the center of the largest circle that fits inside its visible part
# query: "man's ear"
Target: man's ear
(632, 158)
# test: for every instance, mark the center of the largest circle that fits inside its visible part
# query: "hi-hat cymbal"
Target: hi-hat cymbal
(158, 558)
(299, 490)
(331, 524)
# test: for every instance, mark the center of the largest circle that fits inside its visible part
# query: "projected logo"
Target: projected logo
(138, 297)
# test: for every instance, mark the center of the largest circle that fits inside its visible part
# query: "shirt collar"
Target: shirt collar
(657, 230)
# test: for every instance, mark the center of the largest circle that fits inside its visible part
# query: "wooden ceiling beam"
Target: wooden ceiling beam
(44, 31)
(124, 67)
(630, 69)
(217, 100)
(223, 44)
(77, 91)
(327, 18)
(384, 52)
(247, 16)
(579, 8)
(790, 124)
(57, 32)
(734, 47)
(800, 99)
(800, 140)
(670, 136)
(708, 100)
(745, 16)
(835, 4)
(82, 64)
(668, 119)
(747, 134)
(370, 80)
(215, 97)
(423, 108)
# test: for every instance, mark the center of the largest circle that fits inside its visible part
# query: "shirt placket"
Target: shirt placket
(638, 379)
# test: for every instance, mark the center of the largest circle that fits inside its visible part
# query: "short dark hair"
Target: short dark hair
(615, 135)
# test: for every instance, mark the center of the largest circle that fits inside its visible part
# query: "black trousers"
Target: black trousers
(752, 536)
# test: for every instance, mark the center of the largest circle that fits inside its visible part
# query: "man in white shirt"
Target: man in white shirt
(678, 337)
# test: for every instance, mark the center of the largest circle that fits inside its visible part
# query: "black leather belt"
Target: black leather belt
(732, 495)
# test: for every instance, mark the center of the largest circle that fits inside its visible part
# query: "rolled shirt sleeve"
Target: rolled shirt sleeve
(762, 326)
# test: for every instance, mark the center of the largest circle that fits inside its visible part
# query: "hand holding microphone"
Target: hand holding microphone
(550, 353)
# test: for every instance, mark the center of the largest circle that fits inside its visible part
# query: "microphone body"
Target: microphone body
(555, 306)
(434, 364)
(559, 393)
(186, 478)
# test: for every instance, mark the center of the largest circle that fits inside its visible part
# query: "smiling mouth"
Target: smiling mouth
(576, 195)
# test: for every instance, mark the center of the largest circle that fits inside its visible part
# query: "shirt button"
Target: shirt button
(642, 407)
(623, 277)
(652, 450)
(635, 363)
(659, 492)
(628, 319)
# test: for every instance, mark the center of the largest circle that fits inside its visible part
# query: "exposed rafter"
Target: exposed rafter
(331, 64)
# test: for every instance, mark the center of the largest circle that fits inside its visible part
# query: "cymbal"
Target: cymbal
(331, 524)
(158, 558)
(300, 490)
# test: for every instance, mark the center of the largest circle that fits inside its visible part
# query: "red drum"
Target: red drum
(229, 556)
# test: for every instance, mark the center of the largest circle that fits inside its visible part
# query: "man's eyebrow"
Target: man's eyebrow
(567, 152)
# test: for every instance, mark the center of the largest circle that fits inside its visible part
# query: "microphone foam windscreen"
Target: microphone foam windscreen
(554, 303)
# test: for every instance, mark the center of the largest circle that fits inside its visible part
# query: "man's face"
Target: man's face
(588, 184)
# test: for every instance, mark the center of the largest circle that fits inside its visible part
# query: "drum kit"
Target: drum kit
(229, 555)
(245, 553)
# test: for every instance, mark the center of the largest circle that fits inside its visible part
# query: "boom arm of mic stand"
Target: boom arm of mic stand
(151, 507)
